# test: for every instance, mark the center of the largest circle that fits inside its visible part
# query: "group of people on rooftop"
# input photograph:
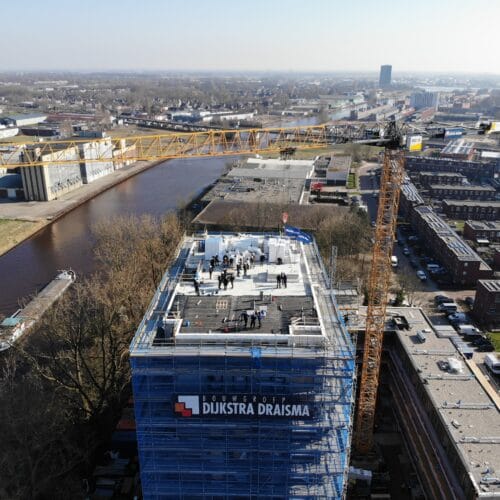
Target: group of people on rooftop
(254, 316)
(281, 279)
(225, 278)
(242, 264)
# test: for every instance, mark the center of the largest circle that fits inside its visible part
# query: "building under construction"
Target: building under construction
(244, 374)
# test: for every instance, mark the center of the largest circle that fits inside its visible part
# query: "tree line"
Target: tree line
(63, 388)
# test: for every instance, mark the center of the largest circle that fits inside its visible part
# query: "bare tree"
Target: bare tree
(409, 284)
(82, 342)
(39, 448)
(81, 349)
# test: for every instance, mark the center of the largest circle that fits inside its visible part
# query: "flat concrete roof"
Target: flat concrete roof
(277, 190)
(470, 416)
(410, 192)
(484, 225)
(458, 147)
(338, 168)
(442, 174)
(274, 168)
(206, 319)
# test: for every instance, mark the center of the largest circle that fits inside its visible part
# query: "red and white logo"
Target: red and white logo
(187, 406)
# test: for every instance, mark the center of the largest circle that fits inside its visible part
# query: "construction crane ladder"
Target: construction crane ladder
(378, 286)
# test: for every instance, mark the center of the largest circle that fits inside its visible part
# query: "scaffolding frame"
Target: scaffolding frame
(245, 457)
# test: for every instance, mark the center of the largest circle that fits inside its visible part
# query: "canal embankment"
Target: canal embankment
(20, 220)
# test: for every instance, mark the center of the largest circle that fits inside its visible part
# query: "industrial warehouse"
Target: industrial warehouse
(243, 374)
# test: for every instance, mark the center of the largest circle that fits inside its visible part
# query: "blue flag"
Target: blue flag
(299, 235)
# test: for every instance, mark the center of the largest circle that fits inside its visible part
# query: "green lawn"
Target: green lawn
(495, 339)
(351, 181)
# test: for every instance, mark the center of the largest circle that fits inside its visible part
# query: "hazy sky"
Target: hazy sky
(296, 35)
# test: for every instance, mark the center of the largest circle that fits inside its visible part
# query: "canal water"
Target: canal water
(67, 243)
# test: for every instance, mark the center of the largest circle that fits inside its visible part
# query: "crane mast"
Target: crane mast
(378, 286)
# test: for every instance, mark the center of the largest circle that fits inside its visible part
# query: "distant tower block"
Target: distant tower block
(385, 75)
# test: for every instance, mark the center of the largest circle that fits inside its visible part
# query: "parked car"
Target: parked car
(439, 299)
(458, 318)
(480, 341)
(414, 263)
(486, 347)
(421, 275)
(469, 301)
(406, 251)
(448, 307)
(468, 330)
(373, 223)
(434, 268)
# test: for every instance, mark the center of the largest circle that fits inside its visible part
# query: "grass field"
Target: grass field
(351, 181)
(495, 340)
(14, 231)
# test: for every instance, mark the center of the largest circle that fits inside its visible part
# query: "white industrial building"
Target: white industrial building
(338, 170)
(101, 150)
(46, 182)
(86, 162)
(123, 155)
(6, 132)
(25, 120)
(274, 168)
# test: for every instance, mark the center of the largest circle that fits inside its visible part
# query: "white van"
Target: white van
(468, 330)
(448, 307)
(493, 364)
(394, 261)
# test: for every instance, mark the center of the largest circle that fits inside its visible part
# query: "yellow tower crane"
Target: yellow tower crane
(251, 141)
